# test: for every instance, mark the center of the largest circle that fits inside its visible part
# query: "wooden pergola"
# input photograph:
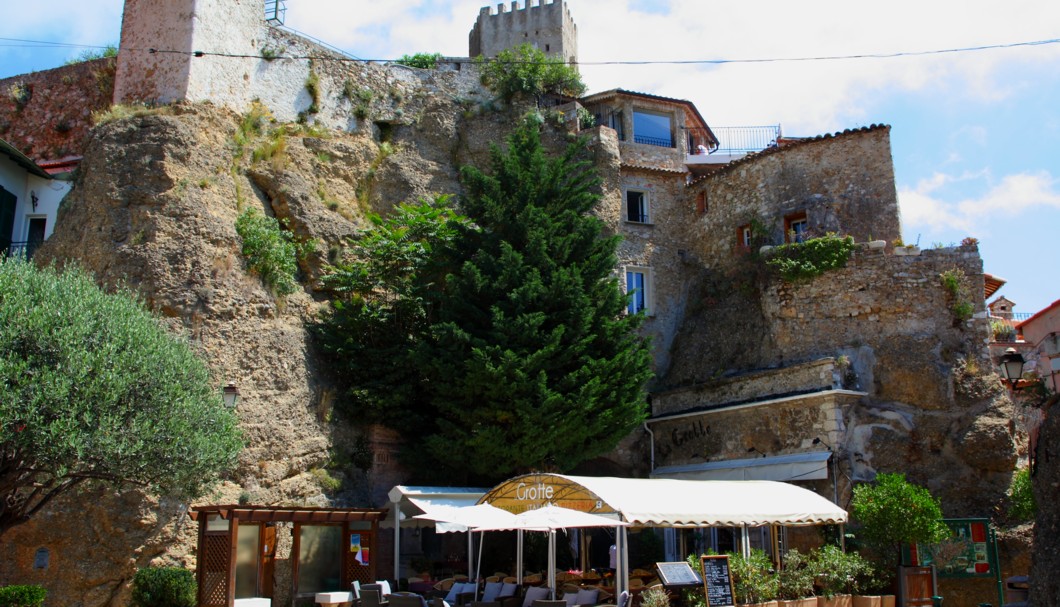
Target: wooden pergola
(219, 540)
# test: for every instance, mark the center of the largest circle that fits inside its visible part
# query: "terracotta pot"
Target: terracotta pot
(805, 602)
(867, 601)
(887, 600)
(837, 600)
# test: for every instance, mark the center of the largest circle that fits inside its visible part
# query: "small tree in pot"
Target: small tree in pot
(892, 512)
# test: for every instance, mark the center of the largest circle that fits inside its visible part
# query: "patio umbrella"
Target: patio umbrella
(471, 518)
(550, 518)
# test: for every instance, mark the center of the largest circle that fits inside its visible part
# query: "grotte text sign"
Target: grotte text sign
(678, 574)
(717, 581)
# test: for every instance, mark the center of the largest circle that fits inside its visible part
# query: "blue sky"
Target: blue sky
(974, 134)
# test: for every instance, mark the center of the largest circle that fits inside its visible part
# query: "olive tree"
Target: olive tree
(94, 389)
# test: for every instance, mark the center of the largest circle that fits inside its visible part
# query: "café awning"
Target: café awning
(660, 502)
(414, 501)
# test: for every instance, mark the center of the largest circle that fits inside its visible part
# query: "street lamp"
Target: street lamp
(835, 477)
(230, 394)
(1012, 367)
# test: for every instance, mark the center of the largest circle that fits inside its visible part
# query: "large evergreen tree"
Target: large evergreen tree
(526, 358)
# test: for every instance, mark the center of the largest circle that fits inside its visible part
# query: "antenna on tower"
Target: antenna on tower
(275, 11)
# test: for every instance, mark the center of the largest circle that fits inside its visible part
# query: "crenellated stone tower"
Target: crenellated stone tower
(546, 25)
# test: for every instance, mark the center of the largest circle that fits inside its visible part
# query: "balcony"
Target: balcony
(734, 142)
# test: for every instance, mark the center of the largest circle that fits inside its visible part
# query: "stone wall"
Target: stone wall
(843, 183)
(55, 117)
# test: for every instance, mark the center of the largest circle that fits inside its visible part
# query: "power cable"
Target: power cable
(44, 44)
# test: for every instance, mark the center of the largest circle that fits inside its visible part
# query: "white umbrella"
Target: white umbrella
(550, 518)
(472, 518)
(556, 517)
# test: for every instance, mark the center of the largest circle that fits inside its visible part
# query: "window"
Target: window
(743, 236)
(637, 206)
(795, 228)
(638, 286)
(652, 128)
(319, 558)
(701, 203)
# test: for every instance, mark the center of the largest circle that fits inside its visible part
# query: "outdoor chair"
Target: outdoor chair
(372, 597)
(407, 599)
(549, 603)
(536, 593)
(623, 600)
(499, 595)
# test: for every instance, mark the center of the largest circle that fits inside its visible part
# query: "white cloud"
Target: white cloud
(1023, 194)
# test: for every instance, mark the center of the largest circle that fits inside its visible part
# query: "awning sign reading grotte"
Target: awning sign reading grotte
(532, 491)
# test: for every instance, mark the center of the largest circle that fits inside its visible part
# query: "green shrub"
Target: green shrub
(809, 259)
(92, 54)
(956, 283)
(1022, 506)
(22, 596)
(527, 72)
(425, 61)
(271, 251)
(795, 579)
(753, 579)
(163, 587)
(838, 572)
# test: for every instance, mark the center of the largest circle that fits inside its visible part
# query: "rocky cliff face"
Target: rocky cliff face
(154, 206)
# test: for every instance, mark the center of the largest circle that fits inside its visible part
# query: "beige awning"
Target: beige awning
(658, 502)
(793, 467)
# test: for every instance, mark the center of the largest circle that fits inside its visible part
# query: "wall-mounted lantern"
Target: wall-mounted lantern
(1012, 367)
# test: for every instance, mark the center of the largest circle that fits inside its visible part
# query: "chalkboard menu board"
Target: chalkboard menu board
(677, 574)
(717, 581)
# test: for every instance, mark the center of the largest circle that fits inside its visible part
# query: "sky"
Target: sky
(974, 134)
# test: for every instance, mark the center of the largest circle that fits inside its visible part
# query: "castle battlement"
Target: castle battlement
(545, 24)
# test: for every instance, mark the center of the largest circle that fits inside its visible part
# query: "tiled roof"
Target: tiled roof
(618, 92)
(795, 144)
(22, 160)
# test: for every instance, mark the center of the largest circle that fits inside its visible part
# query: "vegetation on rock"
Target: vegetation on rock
(93, 388)
(1022, 505)
(92, 54)
(809, 259)
(271, 251)
(507, 336)
(956, 283)
(527, 72)
(426, 61)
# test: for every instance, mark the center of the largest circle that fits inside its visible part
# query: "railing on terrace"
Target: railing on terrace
(14, 249)
(1016, 316)
(744, 139)
(663, 142)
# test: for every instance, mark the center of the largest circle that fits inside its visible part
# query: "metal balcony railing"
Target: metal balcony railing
(745, 139)
(663, 142)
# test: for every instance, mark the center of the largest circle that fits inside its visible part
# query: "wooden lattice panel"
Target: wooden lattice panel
(355, 571)
(214, 570)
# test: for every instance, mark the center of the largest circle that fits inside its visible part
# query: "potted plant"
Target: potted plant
(891, 512)
(753, 579)
(836, 574)
(795, 581)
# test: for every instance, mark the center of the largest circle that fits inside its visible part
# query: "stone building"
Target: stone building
(546, 25)
(826, 382)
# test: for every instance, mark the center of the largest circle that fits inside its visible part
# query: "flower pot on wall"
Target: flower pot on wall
(867, 601)
(804, 602)
(887, 600)
(836, 600)
(877, 244)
